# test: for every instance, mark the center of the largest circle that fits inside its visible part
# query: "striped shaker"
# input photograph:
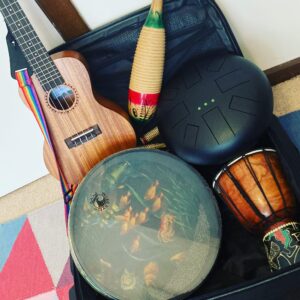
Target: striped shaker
(148, 66)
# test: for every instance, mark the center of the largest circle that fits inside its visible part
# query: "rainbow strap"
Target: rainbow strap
(28, 89)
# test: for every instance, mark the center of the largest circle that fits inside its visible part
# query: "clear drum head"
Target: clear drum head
(144, 225)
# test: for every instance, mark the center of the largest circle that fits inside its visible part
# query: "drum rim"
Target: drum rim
(77, 263)
(236, 160)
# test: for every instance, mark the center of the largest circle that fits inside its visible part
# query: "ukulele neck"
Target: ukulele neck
(30, 44)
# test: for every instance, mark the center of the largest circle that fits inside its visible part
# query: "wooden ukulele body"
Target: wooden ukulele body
(116, 132)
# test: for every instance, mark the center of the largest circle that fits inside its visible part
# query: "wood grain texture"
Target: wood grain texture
(267, 206)
(64, 16)
(49, 158)
(100, 99)
(50, 161)
(283, 71)
(117, 132)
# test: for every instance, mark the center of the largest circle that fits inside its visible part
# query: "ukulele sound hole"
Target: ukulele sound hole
(62, 98)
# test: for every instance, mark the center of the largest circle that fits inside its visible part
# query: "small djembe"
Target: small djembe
(257, 192)
(148, 66)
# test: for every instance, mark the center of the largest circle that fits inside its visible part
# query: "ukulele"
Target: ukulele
(83, 132)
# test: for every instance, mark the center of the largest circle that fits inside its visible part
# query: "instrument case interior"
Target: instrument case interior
(194, 28)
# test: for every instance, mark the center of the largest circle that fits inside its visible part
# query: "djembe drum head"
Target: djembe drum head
(144, 225)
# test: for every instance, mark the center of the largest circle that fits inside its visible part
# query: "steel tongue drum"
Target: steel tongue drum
(215, 107)
(257, 192)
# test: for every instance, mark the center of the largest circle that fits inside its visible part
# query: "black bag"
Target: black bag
(194, 28)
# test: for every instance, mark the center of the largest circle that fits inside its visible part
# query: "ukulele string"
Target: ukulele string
(68, 126)
(18, 24)
(10, 10)
(82, 144)
(83, 161)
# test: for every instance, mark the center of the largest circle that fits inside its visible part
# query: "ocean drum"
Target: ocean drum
(257, 192)
(144, 225)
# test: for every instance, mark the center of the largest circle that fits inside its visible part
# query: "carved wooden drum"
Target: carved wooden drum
(144, 225)
(257, 192)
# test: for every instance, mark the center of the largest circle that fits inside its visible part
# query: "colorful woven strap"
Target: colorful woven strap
(28, 89)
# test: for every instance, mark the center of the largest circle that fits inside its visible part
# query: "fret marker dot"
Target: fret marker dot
(213, 100)
(205, 104)
(199, 108)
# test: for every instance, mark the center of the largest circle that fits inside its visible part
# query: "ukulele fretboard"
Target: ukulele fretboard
(30, 44)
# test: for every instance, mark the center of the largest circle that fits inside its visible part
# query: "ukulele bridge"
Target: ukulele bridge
(83, 137)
